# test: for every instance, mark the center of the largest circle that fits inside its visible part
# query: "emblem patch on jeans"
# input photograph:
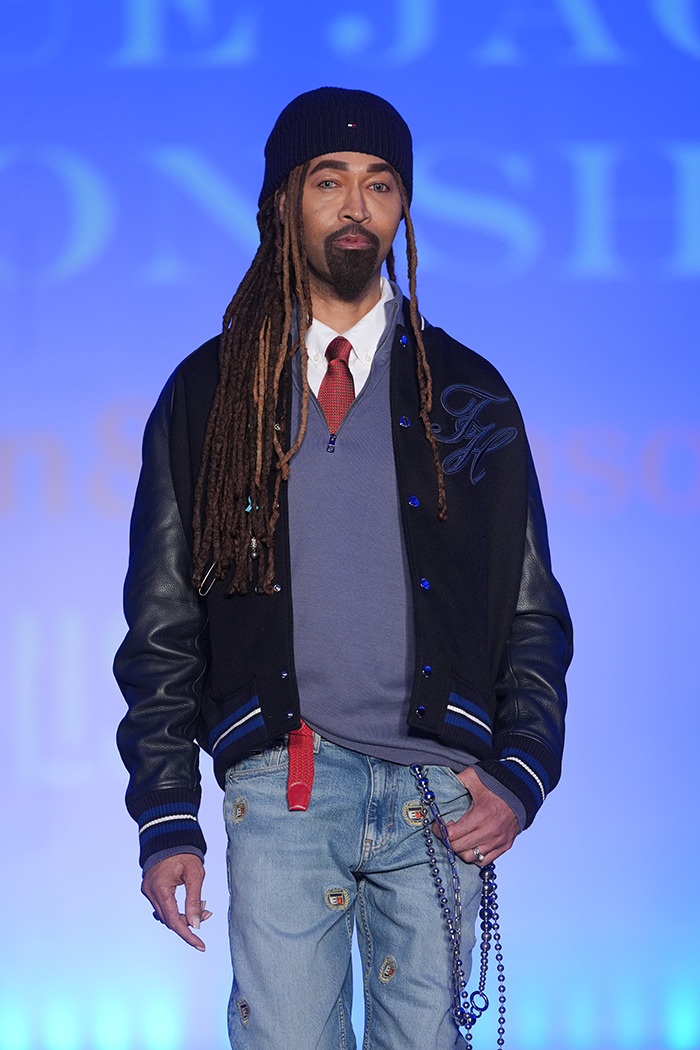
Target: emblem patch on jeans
(239, 810)
(387, 969)
(413, 813)
(337, 899)
(243, 1010)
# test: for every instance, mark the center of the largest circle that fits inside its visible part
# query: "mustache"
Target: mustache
(353, 229)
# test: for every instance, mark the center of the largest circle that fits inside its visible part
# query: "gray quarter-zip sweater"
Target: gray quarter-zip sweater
(352, 607)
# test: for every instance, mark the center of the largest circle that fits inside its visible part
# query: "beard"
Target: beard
(351, 269)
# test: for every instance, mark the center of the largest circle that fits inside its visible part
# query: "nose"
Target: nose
(354, 206)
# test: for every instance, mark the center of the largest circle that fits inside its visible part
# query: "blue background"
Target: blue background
(557, 210)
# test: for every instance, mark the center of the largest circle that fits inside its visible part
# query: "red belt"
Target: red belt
(301, 766)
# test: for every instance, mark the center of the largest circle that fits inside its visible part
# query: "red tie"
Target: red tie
(300, 778)
(335, 394)
(337, 389)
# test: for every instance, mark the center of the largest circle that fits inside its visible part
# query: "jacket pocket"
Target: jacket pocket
(231, 719)
(467, 713)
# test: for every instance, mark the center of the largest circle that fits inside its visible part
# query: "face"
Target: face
(351, 209)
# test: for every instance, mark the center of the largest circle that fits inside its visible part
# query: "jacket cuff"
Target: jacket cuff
(167, 819)
(163, 854)
(526, 768)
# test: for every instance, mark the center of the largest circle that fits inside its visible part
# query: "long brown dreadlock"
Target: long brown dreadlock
(237, 493)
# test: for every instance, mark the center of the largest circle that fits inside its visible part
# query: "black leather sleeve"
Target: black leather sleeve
(161, 665)
(531, 693)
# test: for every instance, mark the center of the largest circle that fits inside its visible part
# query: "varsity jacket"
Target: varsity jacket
(492, 631)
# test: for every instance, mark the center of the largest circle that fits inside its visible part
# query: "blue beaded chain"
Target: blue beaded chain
(466, 1009)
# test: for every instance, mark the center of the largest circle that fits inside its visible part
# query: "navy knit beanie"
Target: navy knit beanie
(332, 120)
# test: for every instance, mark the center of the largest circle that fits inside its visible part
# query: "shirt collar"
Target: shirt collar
(366, 334)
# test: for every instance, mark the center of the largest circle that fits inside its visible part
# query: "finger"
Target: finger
(487, 836)
(487, 857)
(474, 846)
(193, 912)
(489, 848)
(170, 916)
(177, 922)
(478, 845)
(179, 926)
(464, 847)
(466, 826)
(163, 901)
(193, 903)
(157, 910)
(474, 855)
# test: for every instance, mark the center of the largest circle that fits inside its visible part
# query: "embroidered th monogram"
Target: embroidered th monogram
(465, 404)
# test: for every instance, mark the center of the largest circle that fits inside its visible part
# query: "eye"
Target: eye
(380, 187)
(327, 184)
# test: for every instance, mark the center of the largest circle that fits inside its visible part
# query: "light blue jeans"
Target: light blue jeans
(298, 882)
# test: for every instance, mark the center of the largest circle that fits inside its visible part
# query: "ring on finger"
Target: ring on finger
(478, 855)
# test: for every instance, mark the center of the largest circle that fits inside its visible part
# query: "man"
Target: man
(339, 569)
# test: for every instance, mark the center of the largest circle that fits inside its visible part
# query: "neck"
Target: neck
(341, 314)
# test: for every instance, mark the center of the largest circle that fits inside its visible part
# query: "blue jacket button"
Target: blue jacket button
(425, 584)
(414, 501)
(404, 421)
(427, 671)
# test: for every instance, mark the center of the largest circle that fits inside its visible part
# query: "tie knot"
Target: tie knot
(339, 349)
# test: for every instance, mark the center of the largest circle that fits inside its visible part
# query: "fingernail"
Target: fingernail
(195, 923)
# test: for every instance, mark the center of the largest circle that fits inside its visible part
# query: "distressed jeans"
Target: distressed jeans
(300, 880)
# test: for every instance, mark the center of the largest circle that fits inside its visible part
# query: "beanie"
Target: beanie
(333, 120)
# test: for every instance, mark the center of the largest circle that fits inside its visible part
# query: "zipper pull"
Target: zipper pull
(330, 447)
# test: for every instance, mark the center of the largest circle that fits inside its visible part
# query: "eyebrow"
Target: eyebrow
(341, 165)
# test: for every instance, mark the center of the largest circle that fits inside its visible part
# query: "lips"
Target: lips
(353, 238)
(352, 241)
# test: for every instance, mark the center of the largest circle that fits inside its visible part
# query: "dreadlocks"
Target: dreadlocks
(244, 459)
(425, 383)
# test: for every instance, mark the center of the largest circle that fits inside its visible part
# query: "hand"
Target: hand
(159, 885)
(489, 825)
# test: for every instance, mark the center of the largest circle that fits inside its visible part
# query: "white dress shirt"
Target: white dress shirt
(364, 336)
